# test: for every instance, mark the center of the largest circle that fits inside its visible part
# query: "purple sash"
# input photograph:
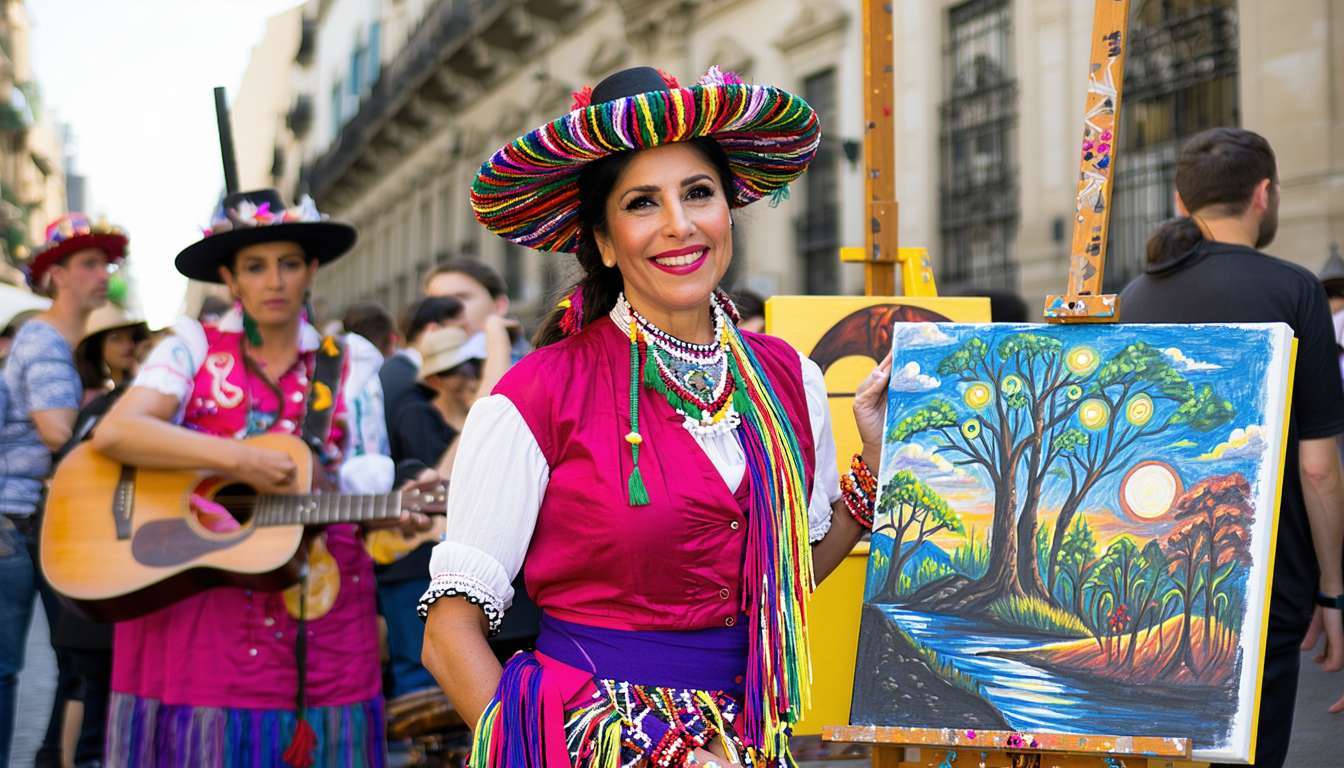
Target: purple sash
(713, 659)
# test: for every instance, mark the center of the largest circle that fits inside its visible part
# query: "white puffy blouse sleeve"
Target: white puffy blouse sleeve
(172, 366)
(825, 477)
(499, 479)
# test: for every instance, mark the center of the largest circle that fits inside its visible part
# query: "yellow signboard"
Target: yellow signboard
(847, 336)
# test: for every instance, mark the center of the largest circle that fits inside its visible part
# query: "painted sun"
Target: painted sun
(1149, 490)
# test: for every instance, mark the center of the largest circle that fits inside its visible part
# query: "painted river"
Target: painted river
(1032, 697)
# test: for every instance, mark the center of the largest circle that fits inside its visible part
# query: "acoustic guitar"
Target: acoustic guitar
(120, 542)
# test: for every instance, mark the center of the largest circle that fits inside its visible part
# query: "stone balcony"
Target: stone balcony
(458, 50)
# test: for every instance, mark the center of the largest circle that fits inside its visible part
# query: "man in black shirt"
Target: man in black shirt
(1205, 268)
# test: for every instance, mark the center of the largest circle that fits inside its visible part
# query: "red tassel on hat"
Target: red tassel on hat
(300, 752)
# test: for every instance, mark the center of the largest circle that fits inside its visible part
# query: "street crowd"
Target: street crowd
(639, 632)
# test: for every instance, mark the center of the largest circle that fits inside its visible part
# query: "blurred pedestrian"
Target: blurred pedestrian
(106, 356)
(398, 374)
(485, 299)
(1206, 266)
(751, 310)
(230, 677)
(42, 399)
(432, 416)
(371, 335)
(213, 308)
(107, 362)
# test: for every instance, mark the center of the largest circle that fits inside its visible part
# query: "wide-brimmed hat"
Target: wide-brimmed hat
(446, 348)
(528, 191)
(110, 318)
(248, 218)
(73, 232)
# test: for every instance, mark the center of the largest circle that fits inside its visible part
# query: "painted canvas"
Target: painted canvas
(1074, 531)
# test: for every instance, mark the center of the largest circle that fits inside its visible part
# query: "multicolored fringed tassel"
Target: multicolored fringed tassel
(777, 573)
(572, 321)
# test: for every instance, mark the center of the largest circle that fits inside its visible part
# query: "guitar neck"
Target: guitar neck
(326, 508)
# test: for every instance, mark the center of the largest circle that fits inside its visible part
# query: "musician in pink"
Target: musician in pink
(218, 679)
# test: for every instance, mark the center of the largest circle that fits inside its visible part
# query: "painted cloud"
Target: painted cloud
(907, 335)
(909, 379)
(932, 468)
(1245, 443)
(1185, 365)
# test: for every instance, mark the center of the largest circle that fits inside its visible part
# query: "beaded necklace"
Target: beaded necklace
(697, 379)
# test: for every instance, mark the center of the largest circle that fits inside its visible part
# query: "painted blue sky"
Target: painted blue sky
(1234, 360)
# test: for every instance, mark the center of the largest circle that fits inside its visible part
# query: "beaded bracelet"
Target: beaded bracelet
(858, 486)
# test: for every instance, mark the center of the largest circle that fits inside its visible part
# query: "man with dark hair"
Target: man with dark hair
(1210, 271)
(398, 373)
(371, 337)
(479, 287)
(485, 298)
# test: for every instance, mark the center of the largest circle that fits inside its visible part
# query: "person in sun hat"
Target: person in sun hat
(668, 478)
(215, 679)
(42, 399)
(106, 354)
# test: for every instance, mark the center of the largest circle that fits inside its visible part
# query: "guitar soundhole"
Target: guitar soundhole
(239, 500)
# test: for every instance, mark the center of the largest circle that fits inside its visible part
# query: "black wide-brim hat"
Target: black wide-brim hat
(249, 218)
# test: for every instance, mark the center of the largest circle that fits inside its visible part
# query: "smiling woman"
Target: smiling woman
(662, 471)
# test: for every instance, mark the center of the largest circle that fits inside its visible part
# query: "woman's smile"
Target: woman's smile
(682, 261)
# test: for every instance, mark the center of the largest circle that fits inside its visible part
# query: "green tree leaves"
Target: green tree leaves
(935, 415)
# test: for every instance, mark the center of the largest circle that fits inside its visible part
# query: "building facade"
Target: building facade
(32, 158)
(395, 104)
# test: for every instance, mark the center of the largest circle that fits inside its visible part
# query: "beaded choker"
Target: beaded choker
(697, 379)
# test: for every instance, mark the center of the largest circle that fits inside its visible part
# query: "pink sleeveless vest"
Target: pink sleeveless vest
(672, 565)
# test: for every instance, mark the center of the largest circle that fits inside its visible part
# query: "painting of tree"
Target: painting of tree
(908, 506)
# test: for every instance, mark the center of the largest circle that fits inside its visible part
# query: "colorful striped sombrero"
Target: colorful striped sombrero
(528, 191)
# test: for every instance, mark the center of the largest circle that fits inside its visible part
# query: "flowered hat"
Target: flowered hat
(248, 218)
(528, 191)
(73, 232)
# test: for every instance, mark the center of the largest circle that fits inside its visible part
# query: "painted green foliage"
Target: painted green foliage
(909, 507)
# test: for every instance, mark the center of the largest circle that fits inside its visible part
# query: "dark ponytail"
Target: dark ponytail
(1172, 239)
(599, 287)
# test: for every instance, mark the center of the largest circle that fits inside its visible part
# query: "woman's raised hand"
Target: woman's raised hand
(870, 410)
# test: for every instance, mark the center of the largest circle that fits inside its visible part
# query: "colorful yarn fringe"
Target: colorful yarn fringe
(777, 574)
(620, 726)
(528, 191)
(144, 733)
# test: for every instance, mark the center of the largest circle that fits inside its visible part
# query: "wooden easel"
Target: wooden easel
(882, 252)
(1082, 303)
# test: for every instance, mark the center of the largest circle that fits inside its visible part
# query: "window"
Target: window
(337, 103)
(978, 195)
(355, 69)
(375, 51)
(818, 229)
(1181, 73)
